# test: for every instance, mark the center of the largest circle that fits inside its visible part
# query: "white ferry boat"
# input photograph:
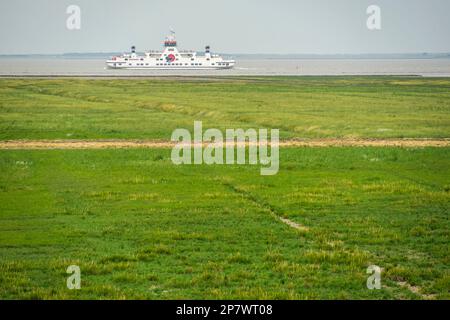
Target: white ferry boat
(169, 59)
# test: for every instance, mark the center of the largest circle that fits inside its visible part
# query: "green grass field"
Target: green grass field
(140, 227)
(308, 107)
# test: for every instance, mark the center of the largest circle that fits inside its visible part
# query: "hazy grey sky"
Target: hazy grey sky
(232, 26)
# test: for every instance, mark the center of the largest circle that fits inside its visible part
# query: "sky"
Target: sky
(229, 26)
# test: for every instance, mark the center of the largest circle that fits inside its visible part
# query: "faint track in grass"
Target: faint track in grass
(274, 212)
(155, 144)
(415, 290)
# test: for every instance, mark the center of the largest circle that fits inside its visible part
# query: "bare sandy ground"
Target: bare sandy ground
(154, 144)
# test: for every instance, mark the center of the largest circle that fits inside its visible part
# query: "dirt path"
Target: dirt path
(108, 144)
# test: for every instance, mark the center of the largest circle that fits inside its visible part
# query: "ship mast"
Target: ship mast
(170, 40)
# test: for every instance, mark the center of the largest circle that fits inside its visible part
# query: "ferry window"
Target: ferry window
(126, 59)
(207, 59)
(192, 59)
(185, 64)
(213, 64)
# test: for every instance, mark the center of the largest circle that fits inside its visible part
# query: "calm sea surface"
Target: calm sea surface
(96, 67)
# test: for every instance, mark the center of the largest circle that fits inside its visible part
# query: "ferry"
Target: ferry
(169, 59)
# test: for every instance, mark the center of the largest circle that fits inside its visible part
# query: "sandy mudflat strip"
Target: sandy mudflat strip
(121, 144)
(84, 144)
(347, 142)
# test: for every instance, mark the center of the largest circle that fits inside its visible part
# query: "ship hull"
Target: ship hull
(115, 65)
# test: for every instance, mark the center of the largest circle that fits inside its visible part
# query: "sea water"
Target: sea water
(50, 66)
